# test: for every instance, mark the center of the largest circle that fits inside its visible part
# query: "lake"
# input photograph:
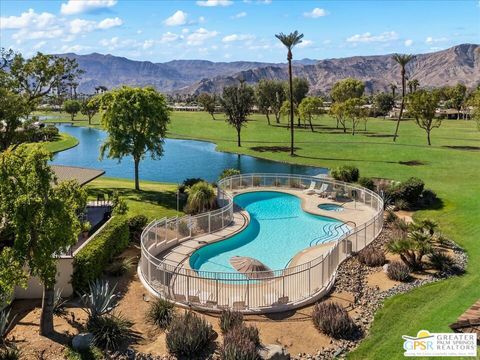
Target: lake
(181, 159)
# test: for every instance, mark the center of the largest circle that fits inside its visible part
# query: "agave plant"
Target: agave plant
(58, 302)
(5, 323)
(101, 299)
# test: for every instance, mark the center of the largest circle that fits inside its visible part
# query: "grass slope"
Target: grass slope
(450, 167)
(65, 142)
(154, 200)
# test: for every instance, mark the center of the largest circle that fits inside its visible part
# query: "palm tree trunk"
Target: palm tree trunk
(401, 106)
(137, 183)
(46, 318)
(238, 138)
(292, 153)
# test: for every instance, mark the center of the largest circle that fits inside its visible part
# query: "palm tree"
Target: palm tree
(393, 87)
(415, 84)
(402, 60)
(290, 41)
(410, 86)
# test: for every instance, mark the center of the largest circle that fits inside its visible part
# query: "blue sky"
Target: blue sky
(225, 30)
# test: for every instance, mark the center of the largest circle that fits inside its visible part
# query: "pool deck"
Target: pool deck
(354, 212)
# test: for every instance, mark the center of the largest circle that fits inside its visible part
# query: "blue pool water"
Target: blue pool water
(181, 159)
(278, 229)
(331, 207)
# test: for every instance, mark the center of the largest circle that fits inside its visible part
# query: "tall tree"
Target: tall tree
(72, 107)
(353, 110)
(38, 75)
(266, 94)
(415, 84)
(474, 102)
(136, 121)
(309, 108)
(456, 97)
(383, 103)
(12, 108)
(393, 87)
(237, 102)
(339, 111)
(300, 91)
(422, 106)
(401, 60)
(347, 89)
(90, 107)
(289, 41)
(208, 103)
(278, 99)
(44, 216)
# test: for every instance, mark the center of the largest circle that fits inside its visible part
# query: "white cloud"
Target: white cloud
(237, 37)
(239, 15)
(326, 42)
(315, 13)
(72, 48)
(26, 34)
(81, 6)
(135, 46)
(408, 42)
(109, 23)
(178, 18)
(305, 43)
(368, 37)
(199, 36)
(147, 44)
(211, 3)
(78, 26)
(185, 31)
(27, 19)
(39, 45)
(431, 40)
(168, 37)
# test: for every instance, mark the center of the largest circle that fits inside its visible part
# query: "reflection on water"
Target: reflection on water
(182, 159)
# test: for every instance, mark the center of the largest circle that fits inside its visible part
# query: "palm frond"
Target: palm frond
(291, 39)
(403, 59)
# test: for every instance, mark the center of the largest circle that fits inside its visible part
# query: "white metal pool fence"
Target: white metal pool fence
(289, 287)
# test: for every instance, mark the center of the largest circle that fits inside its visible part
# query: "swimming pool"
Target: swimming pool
(278, 229)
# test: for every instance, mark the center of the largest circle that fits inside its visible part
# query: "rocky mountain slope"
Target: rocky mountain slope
(460, 63)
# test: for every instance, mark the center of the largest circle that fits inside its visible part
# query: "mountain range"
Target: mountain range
(460, 63)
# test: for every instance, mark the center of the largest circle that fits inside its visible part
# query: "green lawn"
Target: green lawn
(65, 142)
(451, 167)
(451, 172)
(155, 200)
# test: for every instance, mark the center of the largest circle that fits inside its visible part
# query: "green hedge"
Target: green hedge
(90, 261)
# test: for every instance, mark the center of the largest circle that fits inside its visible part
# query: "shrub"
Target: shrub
(189, 335)
(136, 225)
(10, 353)
(110, 331)
(229, 172)
(161, 313)
(92, 353)
(402, 204)
(441, 261)
(230, 319)
(201, 197)
(92, 259)
(119, 206)
(241, 343)
(333, 320)
(346, 173)
(120, 266)
(398, 271)
(189, 182)
(49, 133)
(371, 257)
(183, 228)
(391, 217)
(409, 191)
(366, 183)
(5, 323)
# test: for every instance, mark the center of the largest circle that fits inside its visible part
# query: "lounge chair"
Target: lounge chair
(322, 191)
(311, 189)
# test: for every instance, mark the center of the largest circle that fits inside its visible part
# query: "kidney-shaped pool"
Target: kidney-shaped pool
(279, 228)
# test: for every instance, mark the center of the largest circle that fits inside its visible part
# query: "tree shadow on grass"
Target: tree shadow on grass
(275, 149)
(347, 159)
(166, 199)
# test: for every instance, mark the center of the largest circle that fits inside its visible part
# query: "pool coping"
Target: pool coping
(295, 259)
